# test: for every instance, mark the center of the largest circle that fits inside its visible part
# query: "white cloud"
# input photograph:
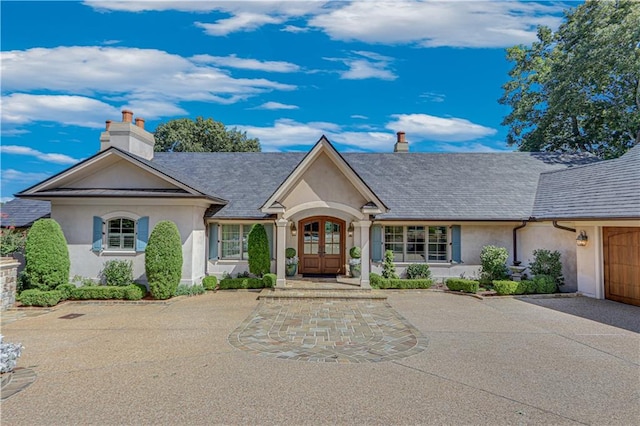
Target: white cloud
(149, 5)
(15, 176)
(438, 23)
(152, 81)
(470, 147)
(430, 127)
(361, 117)
(46, 157)
(294, 29)
(232, 61)
(239, 22)
(365, 65)
(276, 105)
(433, 97)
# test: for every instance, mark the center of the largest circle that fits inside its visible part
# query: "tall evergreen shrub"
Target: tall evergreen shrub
(494, 264)
(258, 246)
(163, 260)
(46, 256)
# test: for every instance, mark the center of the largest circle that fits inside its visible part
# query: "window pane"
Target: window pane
(230, 242)
(394, 241)
(438, 243)
(121, 234)
(311, 237)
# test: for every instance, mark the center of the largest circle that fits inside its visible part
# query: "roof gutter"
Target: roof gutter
(564, 228)
(516, 262)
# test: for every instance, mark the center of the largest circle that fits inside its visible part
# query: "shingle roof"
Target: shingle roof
(470, 186)
(21, 213)
(608, 189)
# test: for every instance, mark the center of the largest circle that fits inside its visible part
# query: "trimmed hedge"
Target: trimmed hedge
(460, 284)
(46, 256)
(240, 283)
(504, 287)
(545, 284)
(130, 292)
(189, 290)
(269, 280)
(402, 284)
(163, 260)
(65, 290)
(35, 297)
(210, 282)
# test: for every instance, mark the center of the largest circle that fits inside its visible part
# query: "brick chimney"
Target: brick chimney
(401, 145)
(128, 136)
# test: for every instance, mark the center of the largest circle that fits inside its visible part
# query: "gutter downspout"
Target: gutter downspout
(564, 228)
(516, 262)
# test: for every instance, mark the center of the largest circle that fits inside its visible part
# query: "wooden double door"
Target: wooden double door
(321, 244)
(622, 264)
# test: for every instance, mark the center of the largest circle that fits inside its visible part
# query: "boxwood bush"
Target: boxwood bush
(65, 290)
(504, 287)
(189, 290)
(46, 256)
(418, 270)
(163, 260)
(117, 272)
(460, 284)
(269, 280)
(399, 283)
(240, 283)
(130, 292)
(545, 284)
(36, 297)
(210, 282)
(375, 279)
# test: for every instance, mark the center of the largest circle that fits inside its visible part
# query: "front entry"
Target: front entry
(321, 245)
(622, 264)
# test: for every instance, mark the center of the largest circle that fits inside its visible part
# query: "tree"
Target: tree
(163, 260)
(202, 135)
(258, 249)
(578, 88)
(46, 256)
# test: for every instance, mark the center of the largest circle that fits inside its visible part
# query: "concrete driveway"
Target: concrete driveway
(493, 361)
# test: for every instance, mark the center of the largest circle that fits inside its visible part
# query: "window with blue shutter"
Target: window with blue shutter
(456, 245)
(376, 243)
(97, 234)
(213, 241)
(143, 233)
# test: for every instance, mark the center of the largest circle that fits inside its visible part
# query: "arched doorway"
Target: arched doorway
(321, 244)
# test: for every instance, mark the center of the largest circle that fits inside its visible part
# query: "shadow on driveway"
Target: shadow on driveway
(603, 311)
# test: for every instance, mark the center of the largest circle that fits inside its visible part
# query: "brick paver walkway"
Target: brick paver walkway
(329, 330)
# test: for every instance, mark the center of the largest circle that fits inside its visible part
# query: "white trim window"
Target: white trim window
(233, 241)
(121, 234)
(417, 243)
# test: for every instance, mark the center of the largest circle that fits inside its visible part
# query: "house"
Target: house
(439, 208)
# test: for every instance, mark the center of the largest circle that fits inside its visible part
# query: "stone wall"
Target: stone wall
(9, 281)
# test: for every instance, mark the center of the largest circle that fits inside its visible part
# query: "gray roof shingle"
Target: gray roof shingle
(21, 213)
(608, 189)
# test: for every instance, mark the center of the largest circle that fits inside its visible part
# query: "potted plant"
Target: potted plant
(291, 262)
(355, 262)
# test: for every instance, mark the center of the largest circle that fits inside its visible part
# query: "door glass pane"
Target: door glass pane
(331, 238)
(311, 237)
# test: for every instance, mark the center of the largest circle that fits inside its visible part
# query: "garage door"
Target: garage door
(622, 264)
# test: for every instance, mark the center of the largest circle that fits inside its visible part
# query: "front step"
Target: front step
(315, 293)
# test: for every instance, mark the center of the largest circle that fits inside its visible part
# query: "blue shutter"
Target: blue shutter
(97, 234)
(456, 252)
(143, 233)
(376, 243)
(269, 229)
(213, 241)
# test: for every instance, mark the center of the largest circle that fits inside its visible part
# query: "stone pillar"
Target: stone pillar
(363, 228)
(9, 281)
(281, 245)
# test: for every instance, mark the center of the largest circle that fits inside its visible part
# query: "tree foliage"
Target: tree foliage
(202, 135)
(163, 260)
(578, 88)
(258, 249)
(46, 256)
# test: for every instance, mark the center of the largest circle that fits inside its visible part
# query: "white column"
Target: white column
(363, 227)
(281, 244)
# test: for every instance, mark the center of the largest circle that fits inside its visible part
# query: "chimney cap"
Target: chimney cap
(140, 122)
(127, 116)
(401, 137)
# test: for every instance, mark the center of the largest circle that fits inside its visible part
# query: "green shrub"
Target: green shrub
(258, 248)
(11, 241)
(418, 270)
(240, 283)
(530, 286)
(545, 284)
(402, 284)
(117, 272)
(210, 282)
(389, 268)
(269, 280)
(189, 290)
(504, 287)
(375, 279)
(65, 290)
(460, 284)
(134, 292)
(163, 260)
(290, 253)
(546, 262)
(355, 252)
(98, 292)
(494, 264)
(46, 256)
(36, 297)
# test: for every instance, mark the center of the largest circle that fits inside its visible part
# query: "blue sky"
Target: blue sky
(285, 72)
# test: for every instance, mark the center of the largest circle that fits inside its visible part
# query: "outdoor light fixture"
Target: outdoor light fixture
(350, 229)
(294, 230)
(582, 239)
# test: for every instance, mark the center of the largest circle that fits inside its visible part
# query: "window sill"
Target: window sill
(118, 253)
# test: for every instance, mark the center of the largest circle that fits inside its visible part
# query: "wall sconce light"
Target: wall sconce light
(294, 230)
(582, 239)
(350, 229)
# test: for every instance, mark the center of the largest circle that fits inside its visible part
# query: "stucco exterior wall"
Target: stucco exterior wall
(76, 220)
(120, 174)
